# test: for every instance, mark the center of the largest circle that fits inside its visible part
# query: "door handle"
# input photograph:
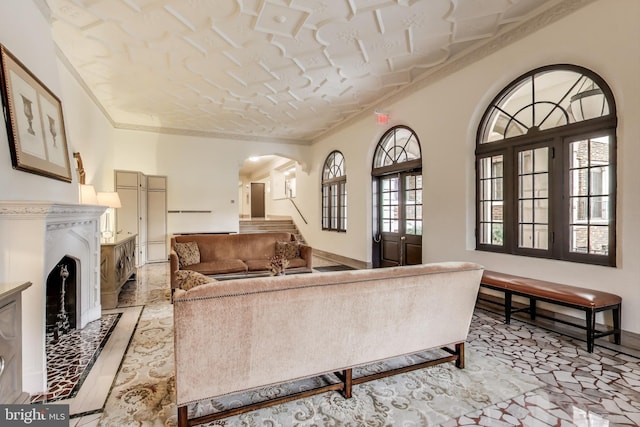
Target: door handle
(403, 238)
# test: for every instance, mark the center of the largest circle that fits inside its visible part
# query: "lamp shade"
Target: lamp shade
(110, 199)
(88, 195)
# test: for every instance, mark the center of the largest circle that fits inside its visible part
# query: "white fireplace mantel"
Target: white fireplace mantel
(34, 236)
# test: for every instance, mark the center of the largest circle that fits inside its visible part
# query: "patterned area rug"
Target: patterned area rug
(144, 394)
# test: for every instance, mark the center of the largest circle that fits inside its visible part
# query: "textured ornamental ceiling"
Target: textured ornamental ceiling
(264, 69)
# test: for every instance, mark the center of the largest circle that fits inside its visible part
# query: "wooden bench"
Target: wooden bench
(588, 300)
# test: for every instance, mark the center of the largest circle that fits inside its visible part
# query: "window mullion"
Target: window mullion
(510, 202)
(558, 199)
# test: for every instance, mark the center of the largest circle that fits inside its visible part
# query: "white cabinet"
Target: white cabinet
(156, 218)
(131, 218)
(143, 213)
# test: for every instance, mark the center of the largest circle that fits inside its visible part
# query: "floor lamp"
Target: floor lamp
(112, 201)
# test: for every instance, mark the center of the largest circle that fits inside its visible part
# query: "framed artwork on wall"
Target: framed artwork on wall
(35, 126)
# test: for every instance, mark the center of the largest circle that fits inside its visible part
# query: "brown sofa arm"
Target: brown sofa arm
(173, 267)
(306, 253)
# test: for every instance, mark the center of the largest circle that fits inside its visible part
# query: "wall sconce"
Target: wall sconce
(112, 201)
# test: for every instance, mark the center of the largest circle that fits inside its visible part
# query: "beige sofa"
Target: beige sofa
(240, 335)
(220, 254)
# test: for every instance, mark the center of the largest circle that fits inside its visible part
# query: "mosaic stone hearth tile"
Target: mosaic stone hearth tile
(70, 358)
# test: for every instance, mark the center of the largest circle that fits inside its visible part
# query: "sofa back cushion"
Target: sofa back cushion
(288, 250)
(235, 246)
(188, 253)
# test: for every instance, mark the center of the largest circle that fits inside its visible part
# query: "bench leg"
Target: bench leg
(617, 320)
(507, 307)
(183, 416)
(532, 308)
(591, 327)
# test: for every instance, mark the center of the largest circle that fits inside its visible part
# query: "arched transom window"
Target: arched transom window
(334, 193)
(546, 160)
(397, 149)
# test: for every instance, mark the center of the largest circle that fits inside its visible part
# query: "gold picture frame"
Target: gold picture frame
(35, 126)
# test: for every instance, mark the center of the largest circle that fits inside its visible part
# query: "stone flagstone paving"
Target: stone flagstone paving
(582, 389)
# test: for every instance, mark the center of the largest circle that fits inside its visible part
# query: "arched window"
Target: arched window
(397, 149)
(397, 188)
(545, 168)
(334, 193)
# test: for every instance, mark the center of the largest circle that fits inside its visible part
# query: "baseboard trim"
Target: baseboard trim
(353, 263)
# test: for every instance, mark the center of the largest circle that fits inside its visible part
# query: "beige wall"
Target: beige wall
(445, 114)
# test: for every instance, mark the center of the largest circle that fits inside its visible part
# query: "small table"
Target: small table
(117, 266)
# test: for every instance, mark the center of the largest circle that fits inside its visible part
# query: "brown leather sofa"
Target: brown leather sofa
(242, 254)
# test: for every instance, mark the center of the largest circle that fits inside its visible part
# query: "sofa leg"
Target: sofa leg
(346, 377)
(460, 353)
(183, 416)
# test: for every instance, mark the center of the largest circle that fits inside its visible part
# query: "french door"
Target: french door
(400, 219)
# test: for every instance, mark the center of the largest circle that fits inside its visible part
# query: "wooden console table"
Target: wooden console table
(117, 265)
(11, 343)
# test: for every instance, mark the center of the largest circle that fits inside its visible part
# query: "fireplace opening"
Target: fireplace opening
(61, 309)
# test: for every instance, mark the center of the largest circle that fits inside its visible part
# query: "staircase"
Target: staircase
(262, 225)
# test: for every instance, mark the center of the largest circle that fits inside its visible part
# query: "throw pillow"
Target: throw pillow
(288, 250)
(187, 279)
(188, 253)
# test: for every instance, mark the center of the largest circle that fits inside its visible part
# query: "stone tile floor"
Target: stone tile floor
(581, 389)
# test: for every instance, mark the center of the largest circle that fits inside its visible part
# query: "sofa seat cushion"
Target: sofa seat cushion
(297, 263)
(263, 264)
(220, 266)
(257, 264)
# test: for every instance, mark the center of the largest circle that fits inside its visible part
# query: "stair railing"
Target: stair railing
(299, 213)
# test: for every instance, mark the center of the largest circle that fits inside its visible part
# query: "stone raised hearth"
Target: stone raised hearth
(35, 237)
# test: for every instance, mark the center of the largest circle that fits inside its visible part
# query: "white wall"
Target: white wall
(88, 132)
(27, 35)
(202, 173)
(87, 129)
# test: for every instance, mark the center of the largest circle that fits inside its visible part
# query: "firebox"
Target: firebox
(61, 308)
